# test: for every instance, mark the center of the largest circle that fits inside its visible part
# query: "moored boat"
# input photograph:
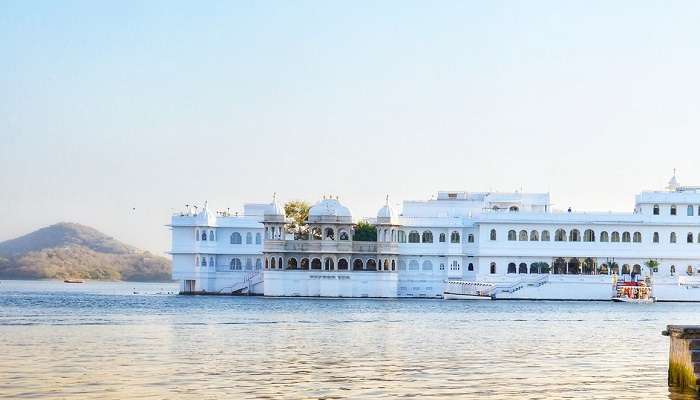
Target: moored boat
(73, 281)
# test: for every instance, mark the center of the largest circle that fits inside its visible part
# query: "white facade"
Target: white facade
(513, 242)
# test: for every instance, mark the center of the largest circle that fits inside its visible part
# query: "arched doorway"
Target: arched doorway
(357, 265)
(342, 264)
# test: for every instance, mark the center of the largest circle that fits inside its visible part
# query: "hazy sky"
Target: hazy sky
(106, 107)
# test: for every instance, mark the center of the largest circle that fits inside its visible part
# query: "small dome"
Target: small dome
(329, 208)
(673, 182)
(386, 211)
(274, 208)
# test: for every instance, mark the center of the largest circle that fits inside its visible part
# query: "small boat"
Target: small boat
(460, 296)
(647, 300)
(634, 292)
(73, 281)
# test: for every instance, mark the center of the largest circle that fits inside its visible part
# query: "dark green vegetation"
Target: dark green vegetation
(74, 251)
(365, 232)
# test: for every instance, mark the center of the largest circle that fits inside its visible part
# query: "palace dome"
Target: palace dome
(329, 208)
(386, 214)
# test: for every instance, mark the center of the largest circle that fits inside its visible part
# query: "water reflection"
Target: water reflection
(104, 341)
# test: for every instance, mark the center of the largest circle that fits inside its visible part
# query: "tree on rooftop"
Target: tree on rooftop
(298, 212)
(365, 232)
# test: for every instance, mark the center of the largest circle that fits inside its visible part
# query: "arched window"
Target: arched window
(656, 237)
(470, 238)
(413, 237)
(614, 269)
(273, 263)
(413, 265)
(329, 233)
(625, 269)
(493, 234)
(316, 263)
(402, 265)
(258, 238)
(656, 209)
(328, 264)
(470, 267)
(672, 238)
(442, 238)
(673, 269)
(522, 236)
(545, 236)
(603, 269)
(674, 210)
(386, 265)
(690, 211)
(427, 265)
(589, 266)
(196, 236)
(689, 271)
(235, 264)
(204, 235)
(258, 263)
(427, 237)
(615, 237)
(493, 268)
(588, 235)
(637, 237)
(574, 266)
(196, 261)
(512, 235)
(690, 237)
(248, 238)
(343, 264)
(604, 236)
(513, 209)
(522, 268)
(560, 235)
(559, 266)
(402, 237)
(534, 236)
(393, 265)
(291, 263)
(574, 235)
(625, 237)
(248, 264)
(343, 235)
(235, 238)
(211, 261)
(204, 261)
(211, 236)
(454, 237)
(357, 265)
(636, 269)
(512, 268)
(534, 268)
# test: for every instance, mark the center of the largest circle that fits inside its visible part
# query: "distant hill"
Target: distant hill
(71, 251)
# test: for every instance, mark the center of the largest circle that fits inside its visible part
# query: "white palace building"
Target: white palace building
(512, 244)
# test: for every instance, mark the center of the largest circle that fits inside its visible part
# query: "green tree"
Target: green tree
(298, 212)
(365, 232)
(653, 266)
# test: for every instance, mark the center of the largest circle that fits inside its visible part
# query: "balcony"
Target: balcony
(329, 246)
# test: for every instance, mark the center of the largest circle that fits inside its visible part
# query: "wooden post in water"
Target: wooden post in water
(684, 356)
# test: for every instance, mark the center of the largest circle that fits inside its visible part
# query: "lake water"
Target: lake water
(134, 340)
